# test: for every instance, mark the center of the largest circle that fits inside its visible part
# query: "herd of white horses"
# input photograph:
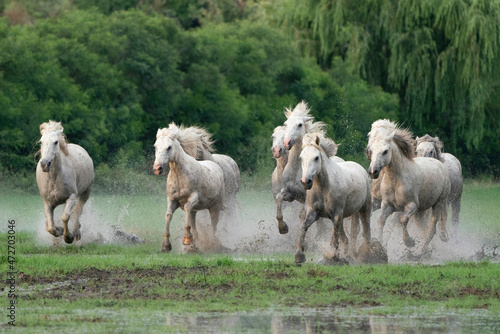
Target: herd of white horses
(413, 178)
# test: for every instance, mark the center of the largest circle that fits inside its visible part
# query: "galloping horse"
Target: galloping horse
(192, 185)
(334, 191)
(410, 185)
(430, 147)
(64, 175)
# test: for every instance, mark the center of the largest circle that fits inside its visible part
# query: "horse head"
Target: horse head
(429, 147)
(164, 148)
(51, 143)
(312, 159)
(380, 154)
(278, 147)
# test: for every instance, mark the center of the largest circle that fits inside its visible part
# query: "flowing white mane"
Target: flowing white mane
(53, 126)
(403, 138)
(380, 129)
(193, 140)
(302, 110)
(326, 145)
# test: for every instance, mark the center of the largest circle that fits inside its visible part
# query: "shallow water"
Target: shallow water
(275, 321)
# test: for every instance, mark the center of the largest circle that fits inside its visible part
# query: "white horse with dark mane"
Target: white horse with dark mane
(409, 185)
(64, 175)
(335, 190)
(298, 123)
(192, 185)
(430, 147)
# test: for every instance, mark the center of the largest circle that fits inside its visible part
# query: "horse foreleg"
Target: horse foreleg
(188, 207)
(282, 226)
(70, 203)
(410, 209)
(310, 218)
(387, 210)
(77, 212)
(171, 207)
(49, 221)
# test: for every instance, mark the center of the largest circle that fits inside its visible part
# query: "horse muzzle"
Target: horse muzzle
(277, 152)
(373, 173)
(45, 165)
(158, 169)
(307, 183)
(288, 143)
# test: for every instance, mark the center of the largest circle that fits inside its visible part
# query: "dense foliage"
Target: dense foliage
(440, 56)
(114, 71)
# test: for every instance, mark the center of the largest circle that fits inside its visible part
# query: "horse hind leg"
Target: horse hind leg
(70, 203)
(354, 234)
(455, 213)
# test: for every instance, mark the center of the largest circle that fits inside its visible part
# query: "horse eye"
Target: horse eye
(316, 159)
(56, 142)
(300, 125)
(169, 148)
(385, 152)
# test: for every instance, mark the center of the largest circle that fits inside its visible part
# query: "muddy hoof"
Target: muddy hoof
(166, 247)
(57, 231)
(187, 240)
(372, 253)
(69, 238)
(300, 258)
(409, 242)
(283, 229)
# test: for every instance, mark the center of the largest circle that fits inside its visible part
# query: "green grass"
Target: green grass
(105, 287)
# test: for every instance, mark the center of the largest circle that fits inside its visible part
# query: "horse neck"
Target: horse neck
(181, 162)
(327, 170)
(294, 156)
(398, 165)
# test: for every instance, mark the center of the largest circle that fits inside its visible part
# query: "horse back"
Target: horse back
(231, 172)
(435, 182)
(83, 166)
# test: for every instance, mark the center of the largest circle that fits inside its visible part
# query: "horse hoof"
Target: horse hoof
(283, 229)
(165, 248)
(77, 235)
(69, 238)
(443, 236)
(57, 231)
(187, 240)
(300, 258)
(409, 242)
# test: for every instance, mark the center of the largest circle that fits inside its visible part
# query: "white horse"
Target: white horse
(64, 175)
(410, 185)
(335, 191)
(298, 123)
(430, 147)
(192, 185)
(200, 147)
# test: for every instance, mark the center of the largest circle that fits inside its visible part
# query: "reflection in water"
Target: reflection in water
(328, 321)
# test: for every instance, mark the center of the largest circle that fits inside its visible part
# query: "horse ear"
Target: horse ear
(417, 138)
(391, 136)
(439, 144)
(317, 140)
(59, 132)
(308, 118)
